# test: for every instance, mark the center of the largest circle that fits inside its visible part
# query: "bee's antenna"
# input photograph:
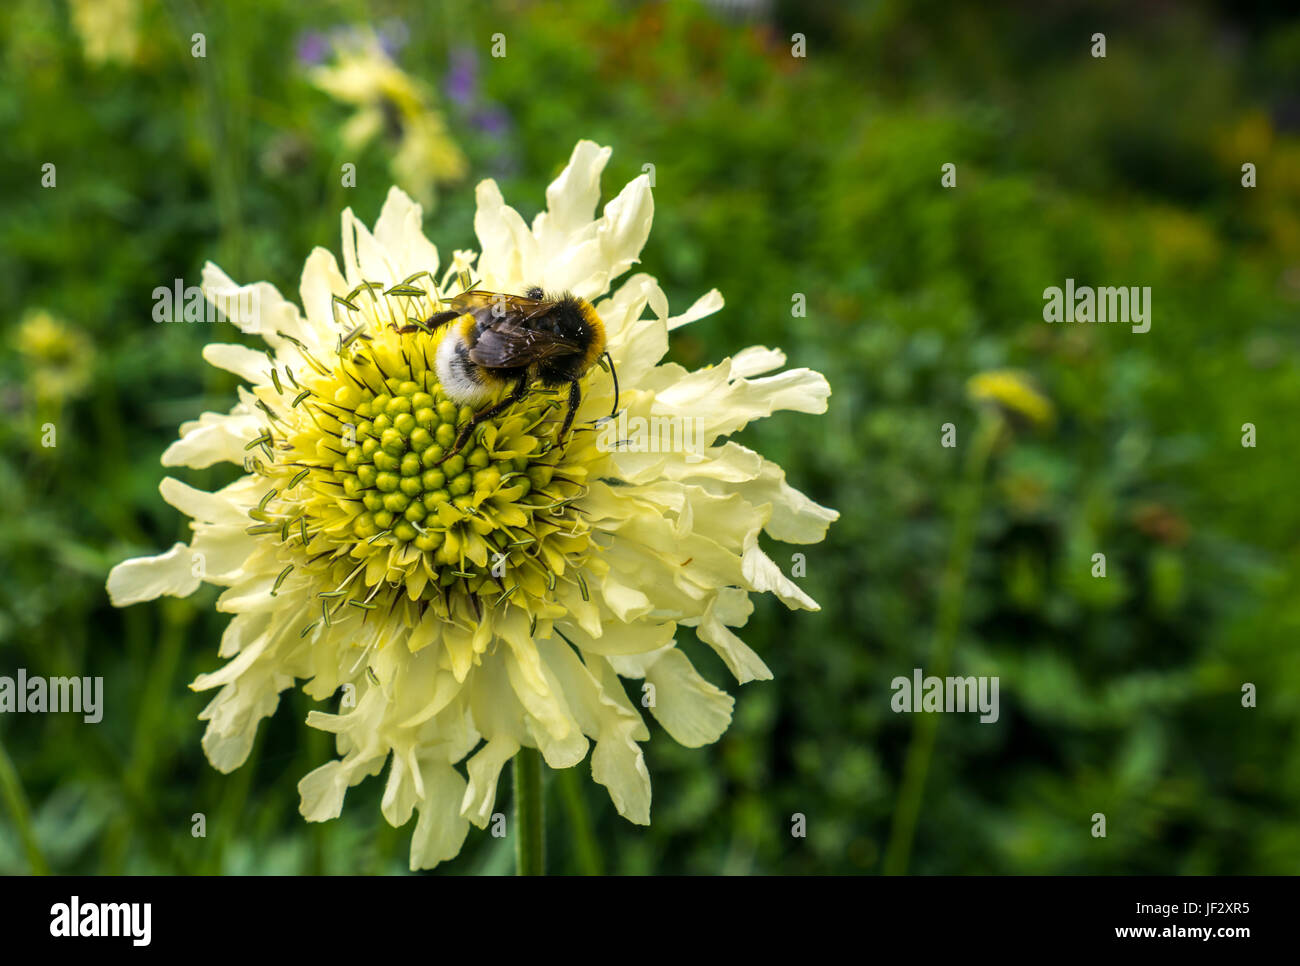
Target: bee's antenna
(613, 372)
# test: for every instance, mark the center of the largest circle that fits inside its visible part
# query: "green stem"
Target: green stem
(585, 849)
(952, 592)
(530, 826)
(137, 778)
(12, 789)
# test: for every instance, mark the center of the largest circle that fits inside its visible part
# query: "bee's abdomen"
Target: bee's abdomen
(462, 380)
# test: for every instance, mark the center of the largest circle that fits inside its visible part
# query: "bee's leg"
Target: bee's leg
(520, 390)
(432, 324)
(614, 375)
(439, 319)
(575, 397)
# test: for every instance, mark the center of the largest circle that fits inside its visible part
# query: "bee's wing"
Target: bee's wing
(508, 345)
(502, 306)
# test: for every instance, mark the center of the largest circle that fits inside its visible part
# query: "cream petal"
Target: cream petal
(233, 715)
(226, 752)
(572, 197)
(258, 309)
(510, 254)
(691, 709)
(441, 830)
(625, 226)
(618, 638)
(242, 631)
(623, 309)
(145, 578)
(726, 405)
(756, 360)
(199, 504)
(235, 668)
(795, 518)
(493, 704)
(728, 463)
(321, 281)
(644, 344)
(708, 303)
(400, 231)
(550, 722)
(321, 792)
(732, 606)
(617, 761)
(220, 552)
(580, 269)
(364, 259)
(627, 603)
(764, 575)
(399, 792)
(484, 773)
(214, 438)
(248, 364)
(422, 689)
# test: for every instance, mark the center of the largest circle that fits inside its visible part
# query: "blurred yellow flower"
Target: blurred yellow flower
(392, 103)
(1014, 394)
(1251, 138)
(109, 29)
(58, 363)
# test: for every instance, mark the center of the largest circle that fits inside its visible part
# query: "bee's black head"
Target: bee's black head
(563, 317)
(572, 320)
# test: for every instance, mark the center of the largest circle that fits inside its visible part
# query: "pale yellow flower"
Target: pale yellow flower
(56, 360)
(109, 29)
(392, 103)
(506, 609)
(1013, 393)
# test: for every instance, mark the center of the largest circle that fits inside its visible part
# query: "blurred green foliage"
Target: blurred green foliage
(774, 176)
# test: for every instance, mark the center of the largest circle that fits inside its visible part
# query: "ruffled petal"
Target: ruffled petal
(145, 578)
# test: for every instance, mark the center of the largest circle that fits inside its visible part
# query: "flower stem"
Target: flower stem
(11, 787)
(530, 825)
(585, 848)
(952, 591)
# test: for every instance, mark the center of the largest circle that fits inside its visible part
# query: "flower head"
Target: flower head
(57, 361)
(109, 29)
(391, 102)
(473, 605)
(1013, 394)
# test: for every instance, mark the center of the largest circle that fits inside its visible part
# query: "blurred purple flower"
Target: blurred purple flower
(462, 77)
(492, 120)
(312, 47)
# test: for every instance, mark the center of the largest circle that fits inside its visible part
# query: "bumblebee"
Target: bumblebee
(495, 340)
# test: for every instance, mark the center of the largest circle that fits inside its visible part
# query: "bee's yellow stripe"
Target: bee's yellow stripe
(597, 345)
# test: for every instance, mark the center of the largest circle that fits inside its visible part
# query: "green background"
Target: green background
(774, 176)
